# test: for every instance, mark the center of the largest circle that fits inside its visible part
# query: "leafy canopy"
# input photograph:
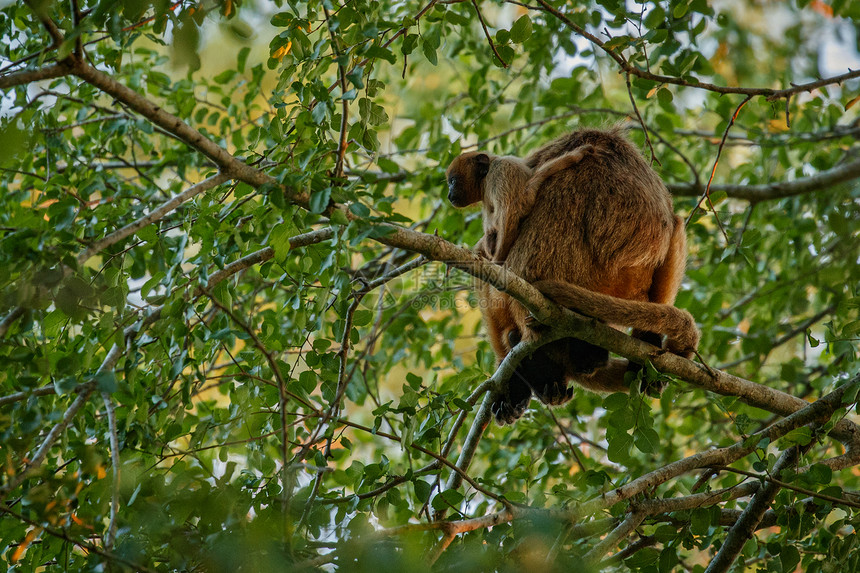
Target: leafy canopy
(216, 354)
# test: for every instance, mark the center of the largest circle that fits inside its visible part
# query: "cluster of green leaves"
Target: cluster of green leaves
(198, 405)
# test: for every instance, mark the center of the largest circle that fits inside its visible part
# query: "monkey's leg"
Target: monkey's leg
(510, 401)
(668, 276)
(664, 288)
(548, 371)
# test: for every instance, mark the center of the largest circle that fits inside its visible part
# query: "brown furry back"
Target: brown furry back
(604, 225)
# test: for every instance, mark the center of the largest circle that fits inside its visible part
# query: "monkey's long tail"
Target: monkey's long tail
(677, 324)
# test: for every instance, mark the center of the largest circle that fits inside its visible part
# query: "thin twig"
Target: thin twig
(784, 485)
(487, 34)
(573, 451)
(770, 93)
(344, 118)
(707, 194)
(110, 535)
(641, 121)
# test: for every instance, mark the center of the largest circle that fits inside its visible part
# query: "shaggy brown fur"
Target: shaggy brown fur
(603, 227)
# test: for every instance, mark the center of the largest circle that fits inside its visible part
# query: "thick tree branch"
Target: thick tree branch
(29, 76)
(41, 11)
(819, 182)
(819, 411)
(170, 123)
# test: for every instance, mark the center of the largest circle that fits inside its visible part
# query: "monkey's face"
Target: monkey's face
(466, 176)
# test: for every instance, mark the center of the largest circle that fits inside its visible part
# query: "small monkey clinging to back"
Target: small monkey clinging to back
(507, 193)
(599, 232)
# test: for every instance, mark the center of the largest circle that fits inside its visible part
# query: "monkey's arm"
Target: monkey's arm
(480, 248)
(557, 164)
(509, 227)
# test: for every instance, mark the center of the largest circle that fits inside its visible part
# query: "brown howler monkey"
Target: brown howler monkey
(507, 191)
(605, 227)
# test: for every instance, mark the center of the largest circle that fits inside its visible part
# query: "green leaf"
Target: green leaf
(65, 385)
(789, 557)
(378, 52)
(820, 473)
(362, 317)
(279, 240)
(462, 404)
(802, 436)
(615, 401)
(422, 490)
(619, 448)
(359, 210)
(521, 30)
(320, 200)
(320, 113)
(646, 440)
(106, 382)
(429, 52)
(700, 521)
(669, 556)
(448, 499)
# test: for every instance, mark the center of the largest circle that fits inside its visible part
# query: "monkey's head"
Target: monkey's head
(466, 176)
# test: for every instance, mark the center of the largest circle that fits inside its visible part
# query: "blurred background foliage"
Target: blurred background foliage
(204, 423)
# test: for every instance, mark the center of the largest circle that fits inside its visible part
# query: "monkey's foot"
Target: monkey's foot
(509, 403)
(553, 393)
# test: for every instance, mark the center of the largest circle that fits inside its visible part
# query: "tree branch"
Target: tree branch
(747, 523)
(487, 34)
(29, 76)
(626, 66)
(766, 191)
(818, 411)
(170, 123)
(633, 520)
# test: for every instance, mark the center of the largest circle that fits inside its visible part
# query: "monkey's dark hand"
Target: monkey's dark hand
(553, 393)
(510, 402)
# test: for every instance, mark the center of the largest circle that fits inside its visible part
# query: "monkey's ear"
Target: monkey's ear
(482, 165)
